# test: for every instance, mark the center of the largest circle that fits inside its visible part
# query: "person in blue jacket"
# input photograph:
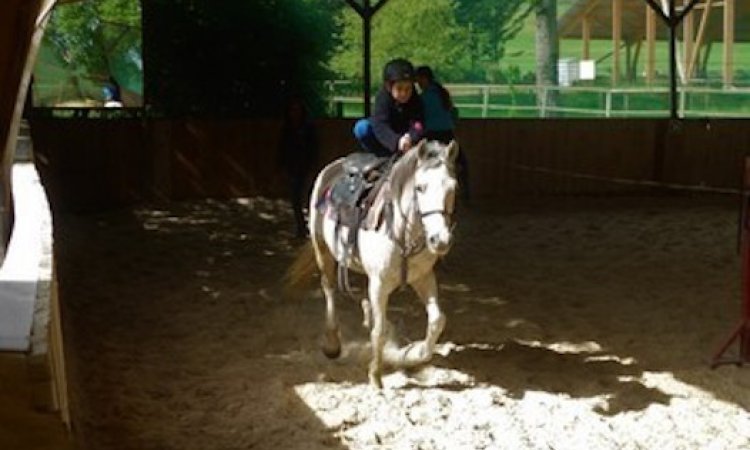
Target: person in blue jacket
(439, 112)
(396, 121)
(440, 115)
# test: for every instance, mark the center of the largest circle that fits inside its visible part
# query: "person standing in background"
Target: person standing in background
(298, 151)
(440, 115)
(112, 93)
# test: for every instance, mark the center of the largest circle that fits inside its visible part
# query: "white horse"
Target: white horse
(422, 187)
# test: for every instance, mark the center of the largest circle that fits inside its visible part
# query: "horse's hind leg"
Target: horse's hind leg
(332, 338)
(366, 313)
(327, 265)
(421, 352)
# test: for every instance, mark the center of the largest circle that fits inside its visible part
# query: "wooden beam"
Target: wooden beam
(366, 11)
(586, 37)
(650, 44)
(690, 69)
(633, 74)
(616, 39)
(378, 5)
(686, 9)
(688, 41)
(585, 13)
(703, 5)
(705, 54)
(356, 7)
(655, 7)
(728, 65)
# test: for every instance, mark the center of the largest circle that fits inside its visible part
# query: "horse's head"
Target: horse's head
(434, 192)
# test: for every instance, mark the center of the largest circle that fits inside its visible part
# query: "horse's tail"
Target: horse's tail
(300, 274)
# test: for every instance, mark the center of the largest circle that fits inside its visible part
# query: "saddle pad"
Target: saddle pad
(380, 195)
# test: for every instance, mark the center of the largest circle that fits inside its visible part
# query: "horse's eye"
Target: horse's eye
(421, 188)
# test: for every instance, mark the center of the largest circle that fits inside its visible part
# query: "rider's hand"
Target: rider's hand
(404, 143)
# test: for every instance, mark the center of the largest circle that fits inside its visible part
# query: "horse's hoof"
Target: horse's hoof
(332, 344)
(415, 354)
(332, 353)
(376, 381)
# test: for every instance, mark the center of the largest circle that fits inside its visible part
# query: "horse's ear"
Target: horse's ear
(451, 152)
(421, 148)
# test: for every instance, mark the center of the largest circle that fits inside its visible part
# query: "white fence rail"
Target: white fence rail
(485, 100)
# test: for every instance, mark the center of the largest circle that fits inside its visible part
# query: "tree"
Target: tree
(94, 36)
(234, 57)
(424, 31)
(490, 24)
(547, 51)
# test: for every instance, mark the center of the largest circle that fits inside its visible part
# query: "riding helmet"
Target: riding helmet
(398, 69)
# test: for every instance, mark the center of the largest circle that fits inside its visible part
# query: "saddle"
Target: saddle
(351, 200)
(360, 173)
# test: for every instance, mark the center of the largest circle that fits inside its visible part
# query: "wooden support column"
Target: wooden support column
(616, 40)
(633, 74)
(586, 37)
(688, 42)
(650, 44)
(728, 65)
(699, 38)
(366, 11)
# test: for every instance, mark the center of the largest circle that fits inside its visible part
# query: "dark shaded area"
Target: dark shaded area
(232, 58)
(170, 384)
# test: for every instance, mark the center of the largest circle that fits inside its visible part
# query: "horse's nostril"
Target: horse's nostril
(433, 240)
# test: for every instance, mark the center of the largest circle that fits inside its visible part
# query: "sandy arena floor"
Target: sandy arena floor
(572, 324)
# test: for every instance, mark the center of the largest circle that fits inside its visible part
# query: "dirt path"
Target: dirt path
(571, 324)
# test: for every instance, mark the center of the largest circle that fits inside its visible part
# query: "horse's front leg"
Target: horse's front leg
(379, 293)
(421, 352)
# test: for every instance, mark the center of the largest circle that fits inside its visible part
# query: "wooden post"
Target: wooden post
(366, 12)
(650, 44)
(633, 74)
(690, 68)
(741, 334)
(688, 42)
(485, 100)
(586, 37)
(367, 46)
(728, 66)
(672, 59)
(616, 39)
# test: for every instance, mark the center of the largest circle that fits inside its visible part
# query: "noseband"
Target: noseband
(448, 215)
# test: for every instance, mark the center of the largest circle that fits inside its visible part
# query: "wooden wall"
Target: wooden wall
(19, 42)
(90, 164)
(21, 29)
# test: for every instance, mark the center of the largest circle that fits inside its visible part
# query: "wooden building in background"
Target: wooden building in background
(631, 23)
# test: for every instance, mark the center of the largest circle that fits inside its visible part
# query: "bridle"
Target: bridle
(412, 247)
(448, 215)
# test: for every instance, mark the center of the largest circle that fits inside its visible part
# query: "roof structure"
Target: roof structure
(599, 15)
(633, 21)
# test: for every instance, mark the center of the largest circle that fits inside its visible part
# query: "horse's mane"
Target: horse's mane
(402, 171)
